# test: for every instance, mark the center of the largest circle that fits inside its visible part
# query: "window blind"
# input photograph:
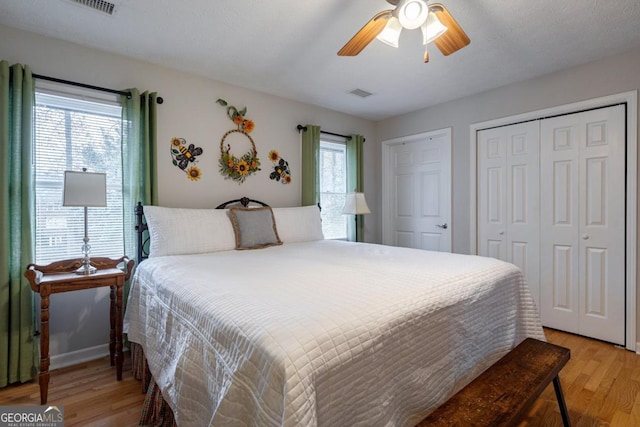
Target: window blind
(333, 189)
(71, 134)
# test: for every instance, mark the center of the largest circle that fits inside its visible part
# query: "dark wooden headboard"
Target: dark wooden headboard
(142, 230)
(244, 201)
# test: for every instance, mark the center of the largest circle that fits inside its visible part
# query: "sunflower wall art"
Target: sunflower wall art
(185, 157)
(281, 172)
(238, 168)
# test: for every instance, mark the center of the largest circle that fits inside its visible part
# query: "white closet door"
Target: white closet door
(583, 223)
(508, 197)
(492, 189)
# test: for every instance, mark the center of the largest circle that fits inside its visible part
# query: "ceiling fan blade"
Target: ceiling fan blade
(454, 38)
(367, 33)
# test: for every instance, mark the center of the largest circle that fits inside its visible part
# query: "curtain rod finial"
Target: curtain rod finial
(301, 128)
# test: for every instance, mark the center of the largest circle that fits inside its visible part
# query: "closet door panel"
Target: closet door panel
(602, 225)
(523, 212)
(559, 227)
(508, 197)
(562, 279)
(583, 223)
(492, 191)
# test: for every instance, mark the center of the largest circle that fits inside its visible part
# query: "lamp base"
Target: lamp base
(85, 270)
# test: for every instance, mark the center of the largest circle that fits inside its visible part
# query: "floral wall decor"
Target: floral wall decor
(231, 166)
(184, 157)
(280, 172)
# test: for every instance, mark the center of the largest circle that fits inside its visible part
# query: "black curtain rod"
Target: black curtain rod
(304, 128)
(86, 86)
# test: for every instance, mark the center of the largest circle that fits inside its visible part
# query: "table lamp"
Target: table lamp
(85, 189)
(355, 204)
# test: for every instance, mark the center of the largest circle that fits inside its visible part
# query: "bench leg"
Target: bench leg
(563, 406)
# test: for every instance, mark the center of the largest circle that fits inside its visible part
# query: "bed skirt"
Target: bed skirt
(155, 410)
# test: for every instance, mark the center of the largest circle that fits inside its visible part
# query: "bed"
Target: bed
(312, 332)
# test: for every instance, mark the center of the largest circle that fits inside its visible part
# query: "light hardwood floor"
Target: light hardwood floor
(601, 385)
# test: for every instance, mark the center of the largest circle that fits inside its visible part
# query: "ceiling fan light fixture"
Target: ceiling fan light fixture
(436, 23)
(412, 13)
(390, 35)
(432, 29)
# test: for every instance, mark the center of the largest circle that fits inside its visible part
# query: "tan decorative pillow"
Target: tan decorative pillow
(254, 228)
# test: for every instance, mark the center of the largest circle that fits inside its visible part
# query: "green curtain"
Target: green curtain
(18, 347)
(355, 181)
(139, 168)
(310, 159)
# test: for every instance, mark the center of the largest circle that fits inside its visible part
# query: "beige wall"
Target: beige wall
(606, 77)
(79, 320)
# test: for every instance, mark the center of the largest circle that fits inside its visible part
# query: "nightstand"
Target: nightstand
(60, 276)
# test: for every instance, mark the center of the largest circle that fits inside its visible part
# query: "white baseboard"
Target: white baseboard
(80, 356)
(638, 348)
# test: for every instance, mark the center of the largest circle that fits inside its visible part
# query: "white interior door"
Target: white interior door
(508, 197)
(417, 195)
(583, 223)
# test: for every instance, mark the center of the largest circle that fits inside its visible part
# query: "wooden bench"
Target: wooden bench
(502, 394)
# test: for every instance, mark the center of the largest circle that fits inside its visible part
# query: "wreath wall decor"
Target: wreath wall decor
(232, 166)
(183, 155)
(281, 171)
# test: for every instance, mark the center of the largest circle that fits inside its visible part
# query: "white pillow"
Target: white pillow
(299, 224)
(179, 231)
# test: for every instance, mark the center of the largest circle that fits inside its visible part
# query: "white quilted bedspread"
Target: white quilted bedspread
(323, 333)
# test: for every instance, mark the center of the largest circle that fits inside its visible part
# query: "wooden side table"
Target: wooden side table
(60, 276)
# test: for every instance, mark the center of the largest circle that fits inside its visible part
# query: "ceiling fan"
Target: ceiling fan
(434, 19)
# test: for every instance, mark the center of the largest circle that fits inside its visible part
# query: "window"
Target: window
(71, 134)
(333, 188)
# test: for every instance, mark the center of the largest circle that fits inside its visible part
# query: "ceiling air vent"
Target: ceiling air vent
(99, 5)
(361, 93)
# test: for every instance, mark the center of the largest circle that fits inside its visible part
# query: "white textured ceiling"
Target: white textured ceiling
(288, 48)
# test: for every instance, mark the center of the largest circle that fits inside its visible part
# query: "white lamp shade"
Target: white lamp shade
(412, 13)
(84, 189)
(390, 34)
(355, 204)
(432, 29)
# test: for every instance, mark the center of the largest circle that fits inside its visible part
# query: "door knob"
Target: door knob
(443, 226)
(501, 232)
(585, 236)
